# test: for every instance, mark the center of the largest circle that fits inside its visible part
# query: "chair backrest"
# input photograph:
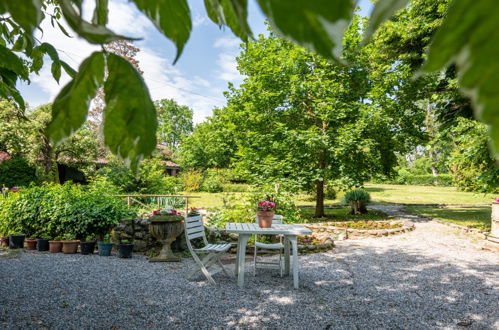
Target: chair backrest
(276, 219)
(194, 228)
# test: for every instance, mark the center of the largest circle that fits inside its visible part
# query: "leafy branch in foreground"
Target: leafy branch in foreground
(466, 39)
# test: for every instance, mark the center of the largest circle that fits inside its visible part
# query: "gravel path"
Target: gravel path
(432, 277)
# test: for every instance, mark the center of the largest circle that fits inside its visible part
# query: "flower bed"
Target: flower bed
(369, 225)
(346, 229)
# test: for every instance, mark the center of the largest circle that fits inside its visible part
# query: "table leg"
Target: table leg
(241, 257)
(286, 255)
(294, 244)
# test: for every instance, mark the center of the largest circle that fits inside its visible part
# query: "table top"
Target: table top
(276, 229)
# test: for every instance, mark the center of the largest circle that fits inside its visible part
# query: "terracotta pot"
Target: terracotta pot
(265, 218)
(4, 241)
(30, 244)
(70, 247)
(55, 246)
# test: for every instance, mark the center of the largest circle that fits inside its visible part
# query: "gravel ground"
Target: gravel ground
(432, 277)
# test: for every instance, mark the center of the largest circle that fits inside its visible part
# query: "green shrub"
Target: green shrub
(356, 195)
(192, 180)
(357, 199)
(16, 172)
(430, 180)
(56, 210)
(241, 207)
(235, 187)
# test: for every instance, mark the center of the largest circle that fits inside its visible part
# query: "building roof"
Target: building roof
(170, 164)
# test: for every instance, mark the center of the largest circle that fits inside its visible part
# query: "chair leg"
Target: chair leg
(223, 268)
(202, 267)
(197, 266)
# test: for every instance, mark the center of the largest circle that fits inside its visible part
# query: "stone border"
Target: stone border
(330, 229)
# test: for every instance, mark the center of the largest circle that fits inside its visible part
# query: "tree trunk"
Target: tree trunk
(319, 202)
(50, 163)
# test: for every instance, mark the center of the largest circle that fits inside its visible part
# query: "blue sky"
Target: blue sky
(198, 79)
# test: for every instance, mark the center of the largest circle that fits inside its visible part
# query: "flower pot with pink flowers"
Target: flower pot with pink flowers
(265, 211)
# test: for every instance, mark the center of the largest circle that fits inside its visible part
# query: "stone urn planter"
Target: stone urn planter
(166, 228)
(265, 218)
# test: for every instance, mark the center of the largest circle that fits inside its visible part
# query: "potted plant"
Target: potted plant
(42, 244)
(88, 245)
(55, 245)
(70, 244)
(265, 211)
(16, 241)
(105, 246)
(357, 200)
(4, 241)
(30, 243)
(125, 248)
(166, 225)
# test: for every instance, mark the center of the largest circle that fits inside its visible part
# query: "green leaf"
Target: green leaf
(69, 70)
(129, 116)
(37, 56)
(12, 62)
(232, 13)
(50, 51)
(95, 34)
(100, 12)
(56, 70)
(383, 10)
(172, 17)
(27, 13)
(465, 39)
(315, 24)
(70, 107)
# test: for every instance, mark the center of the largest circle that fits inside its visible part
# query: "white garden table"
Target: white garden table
(290, 233)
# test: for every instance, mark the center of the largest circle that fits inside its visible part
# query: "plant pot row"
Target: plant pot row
(66, 247)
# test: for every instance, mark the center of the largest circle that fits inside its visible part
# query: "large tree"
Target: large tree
(128, 51)
(211, 145)
(302, 120)
(464, 39)
(174, 123)
(22, 133)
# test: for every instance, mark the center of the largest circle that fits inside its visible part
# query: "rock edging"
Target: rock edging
(329, 228)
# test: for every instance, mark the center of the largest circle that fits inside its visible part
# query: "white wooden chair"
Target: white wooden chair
(194, 228)
(264, 246)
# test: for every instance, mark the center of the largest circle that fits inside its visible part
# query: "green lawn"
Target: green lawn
(380, 193)
(388, 193)
(475, 217)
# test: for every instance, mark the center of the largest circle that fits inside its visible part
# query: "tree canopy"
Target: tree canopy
(174, 123)
(464, 39)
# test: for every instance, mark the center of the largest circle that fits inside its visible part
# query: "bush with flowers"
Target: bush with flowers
(266, 206)
(168, 214)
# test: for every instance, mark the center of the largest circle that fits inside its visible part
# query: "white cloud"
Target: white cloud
(230, 43)
(163, 79)
(166, 81)
(199, 20)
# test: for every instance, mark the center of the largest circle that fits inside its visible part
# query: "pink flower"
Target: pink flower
(497, 199)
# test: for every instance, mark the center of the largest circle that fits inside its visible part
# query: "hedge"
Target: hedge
(16, 172)
(53, 210)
